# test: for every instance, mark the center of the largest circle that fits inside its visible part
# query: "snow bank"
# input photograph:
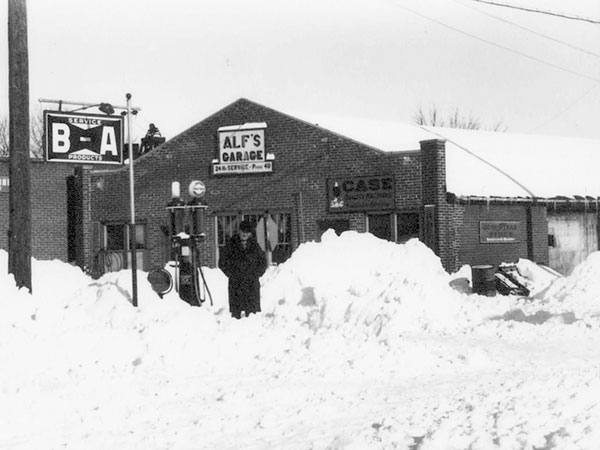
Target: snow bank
(534, 277)
(579, 292)
(362, 344)
(359, 280)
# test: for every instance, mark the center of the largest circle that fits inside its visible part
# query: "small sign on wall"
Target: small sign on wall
(499, 232)
(361, 193)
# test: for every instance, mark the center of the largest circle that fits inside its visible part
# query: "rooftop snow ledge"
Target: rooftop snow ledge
(587, 201)
(246, 126)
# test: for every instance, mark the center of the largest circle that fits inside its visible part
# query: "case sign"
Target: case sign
(499, 232)
(83, 138)
(242, 150)
(361, 193)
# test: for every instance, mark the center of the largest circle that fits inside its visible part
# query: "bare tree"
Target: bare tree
(434, 118)
(430, 118)
(36, 136)
(3, 137)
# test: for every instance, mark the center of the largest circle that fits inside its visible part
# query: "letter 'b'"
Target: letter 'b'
(60, 138)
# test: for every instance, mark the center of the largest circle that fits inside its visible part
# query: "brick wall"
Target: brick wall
(456, 237)
(473, 252)
(48, 209)
(305, 157)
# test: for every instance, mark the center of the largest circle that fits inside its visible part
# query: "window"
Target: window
(283, 250)
(380, 225)
(338, 225)
(227, 226)
(115, 237)
(398, 227)
(407, 226)
(116, 251)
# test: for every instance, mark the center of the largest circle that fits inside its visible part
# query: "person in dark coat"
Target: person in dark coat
(243, 262)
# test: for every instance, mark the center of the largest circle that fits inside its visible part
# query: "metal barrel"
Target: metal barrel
(484, 280)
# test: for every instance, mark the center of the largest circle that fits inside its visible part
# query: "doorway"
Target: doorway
(572, 237)
(74, 221)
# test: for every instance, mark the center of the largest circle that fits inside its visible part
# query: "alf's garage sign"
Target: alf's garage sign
(242, 150)
(83, 138)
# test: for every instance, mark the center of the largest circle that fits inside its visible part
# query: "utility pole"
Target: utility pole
(19, 227)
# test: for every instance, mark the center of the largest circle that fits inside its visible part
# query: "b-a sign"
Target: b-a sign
(83, 138)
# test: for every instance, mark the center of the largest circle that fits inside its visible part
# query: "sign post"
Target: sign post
(132, 231)
(94, 139)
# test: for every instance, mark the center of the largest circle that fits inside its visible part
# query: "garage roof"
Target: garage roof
(490, 164)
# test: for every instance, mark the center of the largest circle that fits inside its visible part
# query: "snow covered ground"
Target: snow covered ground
(362, 344)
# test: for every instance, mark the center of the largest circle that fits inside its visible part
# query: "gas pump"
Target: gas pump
(187, 225)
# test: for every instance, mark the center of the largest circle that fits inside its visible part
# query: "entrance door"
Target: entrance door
(573, 236)
(74, 221)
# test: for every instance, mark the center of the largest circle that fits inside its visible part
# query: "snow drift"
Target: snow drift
(361, 344)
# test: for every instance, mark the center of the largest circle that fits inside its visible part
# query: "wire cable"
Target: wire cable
(545, 36)
(539, 11)
(560, 113)
(482, 160)
(533, 58)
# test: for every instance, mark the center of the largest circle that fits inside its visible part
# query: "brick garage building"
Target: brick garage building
(308, 164)
(310, 178)
(304, 178)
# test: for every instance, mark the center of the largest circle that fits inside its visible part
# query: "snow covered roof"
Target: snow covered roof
(486, 163)
(245, 126)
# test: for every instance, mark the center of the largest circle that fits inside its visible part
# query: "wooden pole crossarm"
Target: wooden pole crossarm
(86, 104)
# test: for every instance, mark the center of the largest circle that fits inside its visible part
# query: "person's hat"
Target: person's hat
(246, 226)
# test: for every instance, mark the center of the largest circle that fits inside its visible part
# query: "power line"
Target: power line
(550, 38)
(564, 110)
(541, 61)
(485, 161)
(539, 11)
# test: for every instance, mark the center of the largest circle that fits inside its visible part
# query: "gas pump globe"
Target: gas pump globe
(197, 208)
(187, 228)
(176, 208)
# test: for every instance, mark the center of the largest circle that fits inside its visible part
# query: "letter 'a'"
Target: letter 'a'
(109, 141)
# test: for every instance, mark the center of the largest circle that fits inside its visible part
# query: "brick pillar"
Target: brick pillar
(441, 236)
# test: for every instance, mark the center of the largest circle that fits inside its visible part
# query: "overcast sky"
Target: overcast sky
(182, 60)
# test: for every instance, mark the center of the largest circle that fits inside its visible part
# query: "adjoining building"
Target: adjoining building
(57, 210)
(473, 197)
